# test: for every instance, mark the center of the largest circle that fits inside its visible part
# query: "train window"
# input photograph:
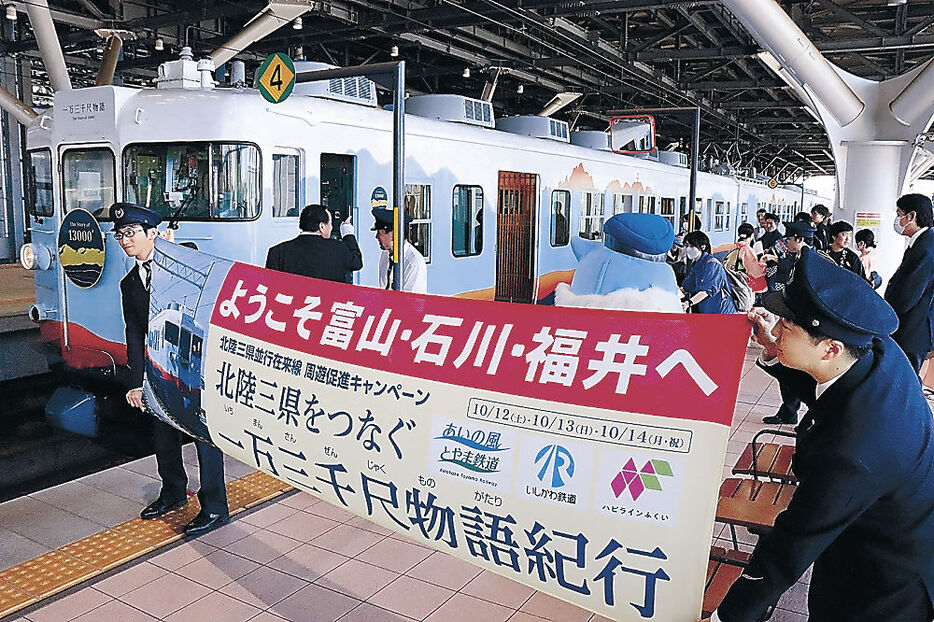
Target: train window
(417, 203)
(467, 225)
(718, 216)
(622, 204)
(668, 210)
(196, 345)
(39, 183)
(171, 333)
(194, 181)
(88, 181)
(728, 217)
(560, 209)
(591, 216)
(744, 213)
(650, 205)
(184, 345)
(286, 179)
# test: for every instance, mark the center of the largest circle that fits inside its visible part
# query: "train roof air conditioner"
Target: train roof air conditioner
(454, 108)
(592, 139)
(356, 90)
(673, 158)
(535, 126)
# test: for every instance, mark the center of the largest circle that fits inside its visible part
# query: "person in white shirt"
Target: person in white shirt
(415, 271)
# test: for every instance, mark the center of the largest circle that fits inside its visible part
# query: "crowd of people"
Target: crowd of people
(863, 510)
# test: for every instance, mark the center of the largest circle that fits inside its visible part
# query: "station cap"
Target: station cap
(833, 302)
(383, 218)
(646, 236)
(132, 214)
(800, 229)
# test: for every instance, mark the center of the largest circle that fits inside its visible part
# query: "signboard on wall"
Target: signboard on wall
(578, 451)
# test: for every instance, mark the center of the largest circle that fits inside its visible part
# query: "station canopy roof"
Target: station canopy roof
(620, 54)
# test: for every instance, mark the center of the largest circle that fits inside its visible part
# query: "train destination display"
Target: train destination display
(578, 451)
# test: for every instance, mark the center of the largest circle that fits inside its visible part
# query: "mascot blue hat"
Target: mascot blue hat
(645, 236)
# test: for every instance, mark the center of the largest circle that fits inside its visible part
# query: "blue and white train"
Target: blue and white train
(493, 203)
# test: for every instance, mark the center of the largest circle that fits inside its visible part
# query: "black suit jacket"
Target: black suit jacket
(863, 511)
(317, 257)
(135, 301)
(911, 294)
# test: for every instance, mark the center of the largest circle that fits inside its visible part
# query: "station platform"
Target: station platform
(19, 336)
(17, 293)
(78, 552)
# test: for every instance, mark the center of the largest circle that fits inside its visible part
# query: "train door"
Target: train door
(89, 182)
(515, 240)
(338, 186)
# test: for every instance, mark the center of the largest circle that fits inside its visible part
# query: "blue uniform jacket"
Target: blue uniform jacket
(911, 293)
(863, 511)
(707, 274)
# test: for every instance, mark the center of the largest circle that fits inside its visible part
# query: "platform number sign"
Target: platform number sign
(276, 77)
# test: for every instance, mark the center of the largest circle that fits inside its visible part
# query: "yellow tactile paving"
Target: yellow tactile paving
(56, 571)
(12, 599)
(47, 574)
(251, 490)
(107, 549)
(160, 531)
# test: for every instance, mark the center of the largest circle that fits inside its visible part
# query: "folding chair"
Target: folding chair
(773, 460)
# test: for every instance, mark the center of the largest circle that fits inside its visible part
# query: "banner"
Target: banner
(578, 451)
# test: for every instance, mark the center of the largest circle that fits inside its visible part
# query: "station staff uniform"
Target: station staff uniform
(414, 269)
(911, 293)
(788, 411)
(167, 440)
(863, 512)
(311, 255)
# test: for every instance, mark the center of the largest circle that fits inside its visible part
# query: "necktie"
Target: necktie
(389, 274)
(147, 276)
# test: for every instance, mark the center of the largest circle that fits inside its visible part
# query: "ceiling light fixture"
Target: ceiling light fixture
(11, 12)
(520, 89)
(300, 53)
(466, 73)
(297, 24)
(160, 44)
(394, 51)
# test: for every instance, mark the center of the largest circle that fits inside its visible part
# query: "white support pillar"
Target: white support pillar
(873, 127)
(40, 18)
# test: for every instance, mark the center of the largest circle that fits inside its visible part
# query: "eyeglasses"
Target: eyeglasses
(126, 233)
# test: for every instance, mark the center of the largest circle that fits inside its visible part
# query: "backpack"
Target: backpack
(740, 291)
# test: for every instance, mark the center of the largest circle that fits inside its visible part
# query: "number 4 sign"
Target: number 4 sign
(276, 77)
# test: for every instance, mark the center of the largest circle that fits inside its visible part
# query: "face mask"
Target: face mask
(693, 253)
(899, 228)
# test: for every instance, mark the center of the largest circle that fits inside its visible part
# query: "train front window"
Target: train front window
(171, 333)
(88, 181)
(196, 346)
(184, 345)
(194, 181)
(39, 184)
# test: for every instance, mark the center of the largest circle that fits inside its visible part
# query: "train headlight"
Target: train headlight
(35, 257)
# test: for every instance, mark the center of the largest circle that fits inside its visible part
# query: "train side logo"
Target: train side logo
(81, 248)
(557, 464)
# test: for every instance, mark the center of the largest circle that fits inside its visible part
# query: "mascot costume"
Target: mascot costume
(627, 271)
